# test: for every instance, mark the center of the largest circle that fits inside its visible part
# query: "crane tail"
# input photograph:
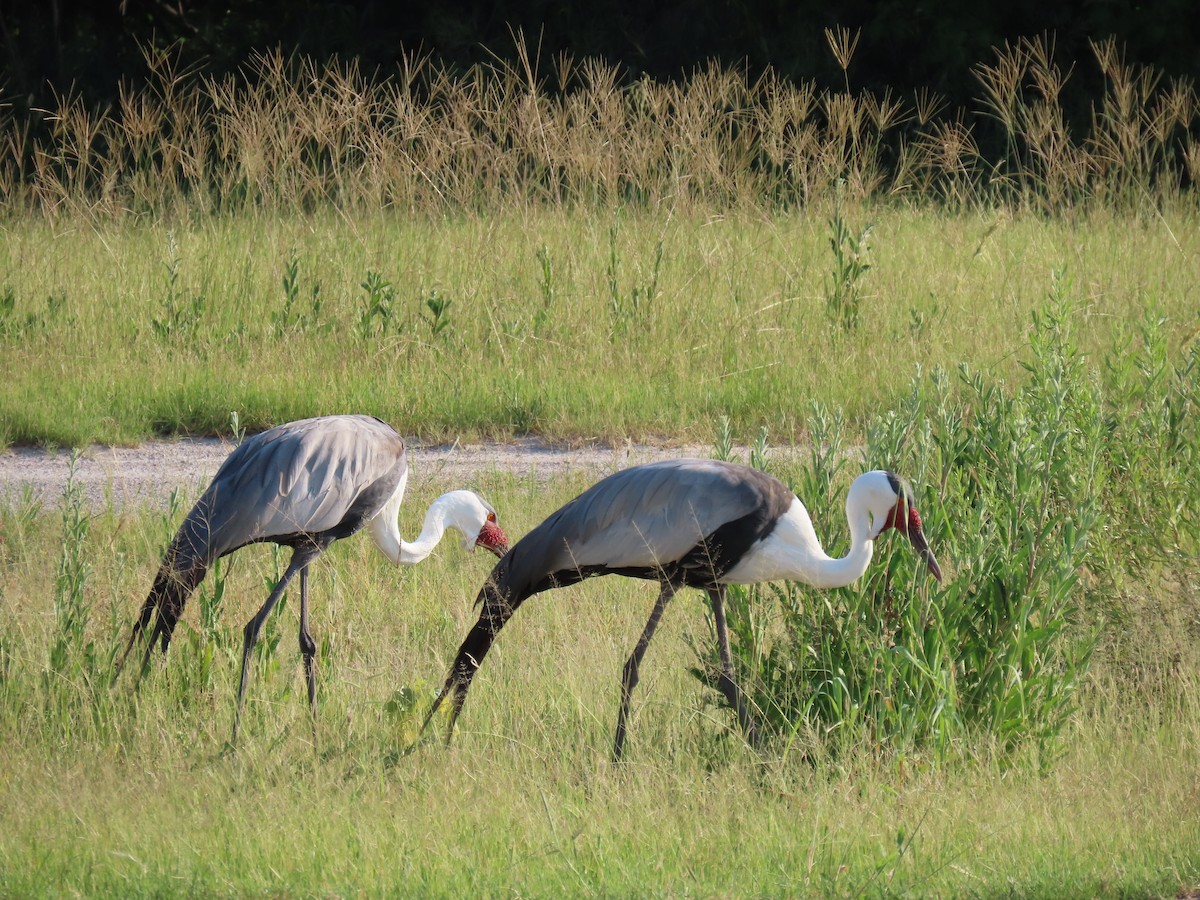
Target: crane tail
(167, 597)
(498, 608)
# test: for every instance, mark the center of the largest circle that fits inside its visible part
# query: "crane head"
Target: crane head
(903, 516)
(475, 519)
(492, 536)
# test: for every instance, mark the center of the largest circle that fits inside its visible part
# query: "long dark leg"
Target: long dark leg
(629, 675)
(301, 557)
(725, 681)
(308, 647)
(496, 612)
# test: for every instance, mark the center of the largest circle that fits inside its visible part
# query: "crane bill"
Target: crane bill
(917, 537)
(910, 525)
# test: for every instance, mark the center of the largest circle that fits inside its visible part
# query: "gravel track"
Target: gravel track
(149, 472)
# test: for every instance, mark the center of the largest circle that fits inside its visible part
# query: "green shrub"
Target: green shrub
(1012, 488)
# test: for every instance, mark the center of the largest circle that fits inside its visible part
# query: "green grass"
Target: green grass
(570, 326)
(497, 819)
(120, 330)
(1037, 734)
(139, 799)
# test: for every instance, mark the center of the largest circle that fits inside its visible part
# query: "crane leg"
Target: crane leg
(629, 675)
(308, 647)
(300, 560)
(725, 681)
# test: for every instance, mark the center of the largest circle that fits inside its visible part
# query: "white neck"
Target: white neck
(793, 552)
(825, 572)
(385, 529)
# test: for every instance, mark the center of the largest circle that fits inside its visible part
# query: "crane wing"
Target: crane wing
(686, 519)
(301, 477)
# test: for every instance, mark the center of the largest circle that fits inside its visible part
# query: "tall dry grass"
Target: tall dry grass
(289, 132)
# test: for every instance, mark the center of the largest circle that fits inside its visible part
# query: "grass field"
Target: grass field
(741, 264)
(132, 794)
(118, 332)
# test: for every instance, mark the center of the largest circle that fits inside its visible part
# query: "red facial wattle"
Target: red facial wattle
(493, 538)
(910, 526)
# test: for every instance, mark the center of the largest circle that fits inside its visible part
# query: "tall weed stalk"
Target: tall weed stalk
(288, 133)
(843, 287)
(77, 668)
(632, 307)
(181, 316)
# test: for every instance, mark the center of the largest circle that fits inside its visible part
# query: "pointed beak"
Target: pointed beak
(917, 537)
(493, 538)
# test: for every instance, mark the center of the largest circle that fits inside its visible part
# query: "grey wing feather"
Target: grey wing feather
(643, 517)
(302, 477)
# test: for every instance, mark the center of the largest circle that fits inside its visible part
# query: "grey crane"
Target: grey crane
(683, 522)
(303, 485)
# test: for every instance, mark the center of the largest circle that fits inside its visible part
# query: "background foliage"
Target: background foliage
(88, 47)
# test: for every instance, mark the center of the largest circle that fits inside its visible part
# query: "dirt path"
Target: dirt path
(148, 473)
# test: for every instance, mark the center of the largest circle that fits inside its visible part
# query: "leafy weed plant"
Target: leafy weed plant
(1012, 488)
(15, 327)
(289, 318)
(843, 287)
(632, 307)
(547, 288)
(70, 654)
(437, 313)
(78, 666)
(180, 319)
(377, 315)
(213, 642)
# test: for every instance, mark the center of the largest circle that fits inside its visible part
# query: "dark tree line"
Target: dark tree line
(88, 46)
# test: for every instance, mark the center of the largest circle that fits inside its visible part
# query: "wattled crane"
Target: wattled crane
(684, 522)
(303, 485)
